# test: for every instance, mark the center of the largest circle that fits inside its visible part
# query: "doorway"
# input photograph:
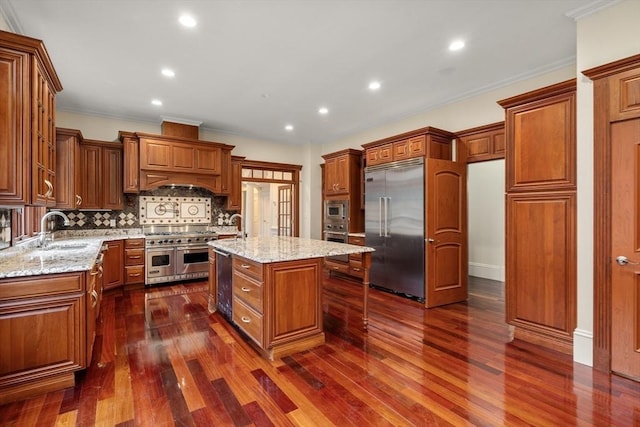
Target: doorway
(270, 198)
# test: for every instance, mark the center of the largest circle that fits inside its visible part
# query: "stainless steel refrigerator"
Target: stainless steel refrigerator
(394, 225)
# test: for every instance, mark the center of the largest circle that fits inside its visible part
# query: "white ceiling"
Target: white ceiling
(250, 67)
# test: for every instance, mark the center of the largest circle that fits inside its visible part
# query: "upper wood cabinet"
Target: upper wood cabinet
(540, 287)
(68, 173)
(28, 86)
(540, 128)
(156, 160)
(101, 175)
(234, 199)
(342, 173)
(131, 162)
(426, 142)
(484, 142)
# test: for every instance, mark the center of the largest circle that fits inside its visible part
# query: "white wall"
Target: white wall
(603, 37)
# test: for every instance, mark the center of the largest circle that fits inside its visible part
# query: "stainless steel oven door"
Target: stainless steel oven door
(192, 259)
(338, 237)
(160, 265)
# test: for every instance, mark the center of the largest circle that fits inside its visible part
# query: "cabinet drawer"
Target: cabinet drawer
(134, 274)
(134, 257)
(134, 243)
(340, 267)
(356, 240)
(248, 267)
(355, 268)
(248, 320)
(249, 291)
(47, 285)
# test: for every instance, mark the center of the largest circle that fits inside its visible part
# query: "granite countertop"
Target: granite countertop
(71, 251)
(280, 248)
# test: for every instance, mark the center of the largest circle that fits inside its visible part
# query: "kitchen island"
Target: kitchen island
(276, 289)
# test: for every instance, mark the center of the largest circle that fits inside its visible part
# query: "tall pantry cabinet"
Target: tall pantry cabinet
(541, 215)
(28, 86)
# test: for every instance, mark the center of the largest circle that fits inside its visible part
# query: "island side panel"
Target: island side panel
(294, 300)
(366, 265)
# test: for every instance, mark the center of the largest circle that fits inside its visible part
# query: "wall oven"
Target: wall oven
(160, 265)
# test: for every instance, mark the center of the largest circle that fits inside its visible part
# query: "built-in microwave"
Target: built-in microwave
(336, 210)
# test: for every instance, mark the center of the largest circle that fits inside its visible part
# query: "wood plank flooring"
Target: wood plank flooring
(161, 359)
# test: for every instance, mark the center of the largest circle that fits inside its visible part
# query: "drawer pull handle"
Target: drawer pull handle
(336, 268)
(245, 319)
(356, 269)
(245, 266)
(135, 256)
(135, 275)
(245, 289)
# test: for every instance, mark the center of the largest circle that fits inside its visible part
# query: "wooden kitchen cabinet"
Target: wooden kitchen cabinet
(68, 173)
(541, 247)
(234, 199)
(484, 142)
(342, 172)
(427, 142)
(113, 275)
(27, 131)
(263, 295)
(101, 175)
(131, 162)
(134, 261)
(44, 318)
(169, 155)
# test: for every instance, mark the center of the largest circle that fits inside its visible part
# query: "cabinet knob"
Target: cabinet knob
(245, 289)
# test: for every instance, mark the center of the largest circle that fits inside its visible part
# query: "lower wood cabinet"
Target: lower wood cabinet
(47, 327)
(134, 261)
(352, 267)
(113, 268)
(278, 305)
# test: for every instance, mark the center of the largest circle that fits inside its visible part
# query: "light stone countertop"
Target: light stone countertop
(71, 251)
(279, 248)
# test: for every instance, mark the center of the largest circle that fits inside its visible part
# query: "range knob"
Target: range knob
(188, 240)
(170, 241)
(328, 225)
(179, 240)
(151, 242)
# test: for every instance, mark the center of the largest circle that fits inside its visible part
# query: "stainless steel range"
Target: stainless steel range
(176, 230)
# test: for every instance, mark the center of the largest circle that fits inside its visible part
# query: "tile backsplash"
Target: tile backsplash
(128, 217)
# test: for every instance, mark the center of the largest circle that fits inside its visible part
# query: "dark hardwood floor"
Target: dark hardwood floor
(161, 359)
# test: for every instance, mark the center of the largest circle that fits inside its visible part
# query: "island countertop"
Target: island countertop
(281, 248)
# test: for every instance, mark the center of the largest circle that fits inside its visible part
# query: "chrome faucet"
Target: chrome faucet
(43, 232)
(234, 216)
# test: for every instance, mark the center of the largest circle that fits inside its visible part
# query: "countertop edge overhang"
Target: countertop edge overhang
(280, 248)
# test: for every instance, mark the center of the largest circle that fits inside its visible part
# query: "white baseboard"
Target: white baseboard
(583, 347)
(486, 271)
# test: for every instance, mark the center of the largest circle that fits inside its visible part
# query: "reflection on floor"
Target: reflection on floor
(161, 359)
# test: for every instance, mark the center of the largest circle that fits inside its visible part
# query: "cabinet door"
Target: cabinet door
(14, 149)
(234, 201)
(112, 178)
(67, 166)
(330, 175)
(91, 177)
(43, 138)
(46, 337)
(113, 275)
(131, 167)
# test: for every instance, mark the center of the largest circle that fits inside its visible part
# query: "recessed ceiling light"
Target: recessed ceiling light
(168, 73)
(288, 128)
(323, 110)
(456, 45)
(156, 102)
(374, 85)
(188, 21)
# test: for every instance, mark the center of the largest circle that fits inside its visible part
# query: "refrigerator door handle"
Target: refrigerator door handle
(379, 216)
(386, 216)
